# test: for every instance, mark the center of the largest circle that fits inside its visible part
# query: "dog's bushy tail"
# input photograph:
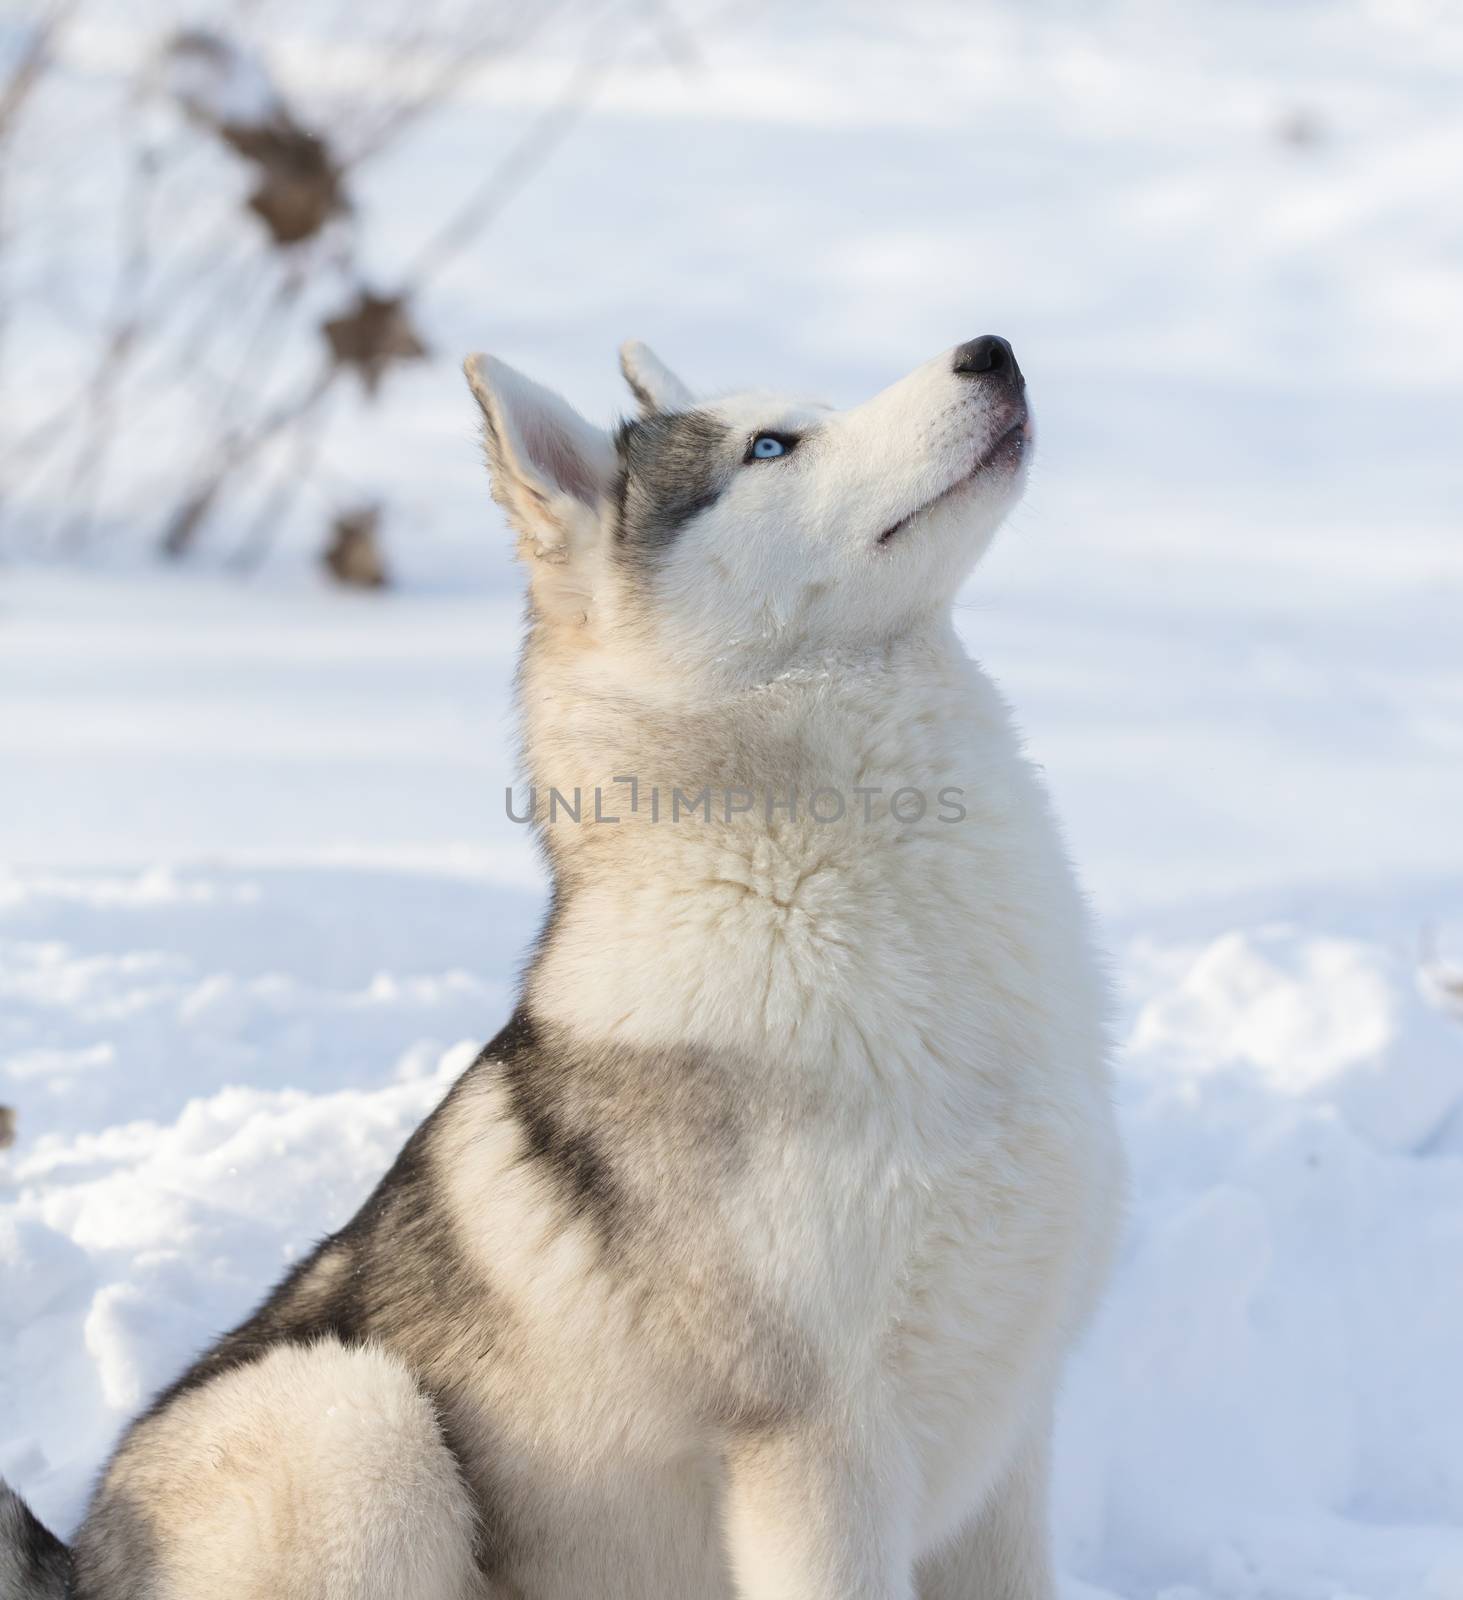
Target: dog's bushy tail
(34, 1564)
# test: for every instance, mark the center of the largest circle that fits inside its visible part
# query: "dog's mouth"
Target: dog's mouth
(1004, 454)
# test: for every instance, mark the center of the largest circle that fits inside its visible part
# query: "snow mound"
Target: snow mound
(1269, 1404)
(1317, 1019)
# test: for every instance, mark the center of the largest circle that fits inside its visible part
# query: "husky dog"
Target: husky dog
(744, 1260)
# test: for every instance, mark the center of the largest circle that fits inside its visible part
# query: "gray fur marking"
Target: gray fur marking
(115, 1552)
(672, 466)
(33, 1563)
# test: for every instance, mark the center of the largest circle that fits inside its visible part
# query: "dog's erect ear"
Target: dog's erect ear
(656, 387)
(550, 468)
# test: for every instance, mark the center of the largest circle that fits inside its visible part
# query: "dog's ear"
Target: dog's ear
(550, 469)
(655, 386)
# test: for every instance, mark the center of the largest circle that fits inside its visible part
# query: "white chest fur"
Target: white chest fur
(927, 1170)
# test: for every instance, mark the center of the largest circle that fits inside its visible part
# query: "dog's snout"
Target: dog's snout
(989, 356)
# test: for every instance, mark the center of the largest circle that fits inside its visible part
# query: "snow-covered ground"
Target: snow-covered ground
(262, 899)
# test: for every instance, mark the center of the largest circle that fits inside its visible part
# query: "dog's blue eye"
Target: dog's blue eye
(768, 446)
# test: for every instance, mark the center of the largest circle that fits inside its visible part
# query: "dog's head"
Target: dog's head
(741, 537)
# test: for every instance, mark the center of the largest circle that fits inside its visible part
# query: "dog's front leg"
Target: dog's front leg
(820, 1513)
(1002, 1553)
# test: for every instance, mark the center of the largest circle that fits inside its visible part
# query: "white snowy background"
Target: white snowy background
(261, 901)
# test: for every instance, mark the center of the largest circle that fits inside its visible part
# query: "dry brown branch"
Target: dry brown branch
(97, 432)
(293, 478)
(299, 185)
(353, 556)
(30, 64)
(457, 68)
(227, 294)
(19, 86)
(233, 455)
(522, 160)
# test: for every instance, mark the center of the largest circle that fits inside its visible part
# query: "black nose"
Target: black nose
(990, 355)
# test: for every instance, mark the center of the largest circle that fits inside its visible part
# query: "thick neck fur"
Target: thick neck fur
(778, 934)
